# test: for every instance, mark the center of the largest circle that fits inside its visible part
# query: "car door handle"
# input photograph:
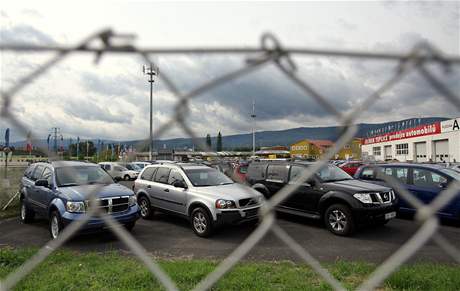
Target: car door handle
(166, 190)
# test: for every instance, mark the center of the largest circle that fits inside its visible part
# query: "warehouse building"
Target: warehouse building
(436, 142)
(309, 149)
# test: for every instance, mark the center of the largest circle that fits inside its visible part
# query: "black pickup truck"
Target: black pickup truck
(332, 195)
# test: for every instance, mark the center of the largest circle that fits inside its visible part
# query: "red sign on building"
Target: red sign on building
(418, 131)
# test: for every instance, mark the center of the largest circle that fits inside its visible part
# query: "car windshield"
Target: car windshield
(454, 174)
(133, 167)
(81, 175)
(207, 177)
(333, 173)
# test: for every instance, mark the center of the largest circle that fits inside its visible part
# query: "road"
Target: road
(167, 236)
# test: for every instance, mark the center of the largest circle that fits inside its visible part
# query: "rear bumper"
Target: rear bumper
(95, 223)
(237, 216)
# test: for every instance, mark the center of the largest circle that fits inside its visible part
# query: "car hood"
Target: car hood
(79, 193)
(353, 186)
(230, 192)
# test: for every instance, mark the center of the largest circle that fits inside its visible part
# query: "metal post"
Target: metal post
(151, 72)
(253, 115)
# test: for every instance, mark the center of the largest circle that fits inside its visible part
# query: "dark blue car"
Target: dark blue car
(59, 191)
(424, 181)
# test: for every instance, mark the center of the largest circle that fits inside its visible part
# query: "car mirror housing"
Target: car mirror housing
(180, 184)
(42, 183)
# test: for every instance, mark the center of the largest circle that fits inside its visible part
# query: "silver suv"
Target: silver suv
(202, 194)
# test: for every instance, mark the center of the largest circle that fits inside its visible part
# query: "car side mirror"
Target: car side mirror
(42, 183)
(117, 179)
(179, 184)
(443, 185)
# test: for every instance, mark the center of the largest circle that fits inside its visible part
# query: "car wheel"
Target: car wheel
(127, 177)
(146, 208)
(55, 224)
(201, 222)
(130, 226)
(339, 220)
(27, 215)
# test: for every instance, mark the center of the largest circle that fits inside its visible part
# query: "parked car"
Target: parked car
(239, 173)
(133, 167)
(424, 181)
(141, 165)
(351, 166)
(118, 171)
(206, 197)
(331, 195)
(58, 192)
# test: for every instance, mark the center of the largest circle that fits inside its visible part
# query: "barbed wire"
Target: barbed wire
(270, 51)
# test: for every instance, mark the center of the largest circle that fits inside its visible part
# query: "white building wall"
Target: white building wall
(453, 137)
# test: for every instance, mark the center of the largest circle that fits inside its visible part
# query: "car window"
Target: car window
(295, 172)
(107, 167)
(277, 172)
(174, 176)
(427, 178)
(148, 173)
(401, 174)
(367, 174)
(162, 175)
(37, 172)
(28, 172)
(48, 176)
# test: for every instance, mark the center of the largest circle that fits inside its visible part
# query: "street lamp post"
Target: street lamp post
(150, 71)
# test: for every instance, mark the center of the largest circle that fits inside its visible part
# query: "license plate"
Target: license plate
(390, 215)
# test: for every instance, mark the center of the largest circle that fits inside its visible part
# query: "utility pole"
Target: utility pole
(253, 116)
(56, 133)
(150, 71)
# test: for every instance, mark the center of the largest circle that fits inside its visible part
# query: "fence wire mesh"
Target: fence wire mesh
(270, 51)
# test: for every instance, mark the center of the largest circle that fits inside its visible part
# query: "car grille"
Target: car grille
(383, 197)
(112, 204)
(247, 202)
(251, 212)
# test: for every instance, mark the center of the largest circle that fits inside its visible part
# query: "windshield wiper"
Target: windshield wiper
(227, 183)
(337, 180)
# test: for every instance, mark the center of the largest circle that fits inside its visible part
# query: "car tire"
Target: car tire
(130, 226)
(145, 207)
(55, 224)
(339, 220)
(127, 178)
(27, 215)
(201, 222)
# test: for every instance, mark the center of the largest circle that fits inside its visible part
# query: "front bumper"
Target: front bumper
(374, 213)
(94, 223)
(238, 216)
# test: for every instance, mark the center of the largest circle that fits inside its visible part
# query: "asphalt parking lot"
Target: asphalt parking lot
(167, 236)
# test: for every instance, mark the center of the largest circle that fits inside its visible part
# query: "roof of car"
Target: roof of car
(428, 166)
(58, 164)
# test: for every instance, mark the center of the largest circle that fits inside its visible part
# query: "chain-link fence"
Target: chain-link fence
(270, 52)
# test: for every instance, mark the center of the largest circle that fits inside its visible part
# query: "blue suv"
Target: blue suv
(58, 191)
(424, 181)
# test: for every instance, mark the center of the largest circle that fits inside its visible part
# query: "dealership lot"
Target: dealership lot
(170, 237)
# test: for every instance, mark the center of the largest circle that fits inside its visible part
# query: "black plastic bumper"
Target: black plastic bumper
(234, 216)
(366, 215)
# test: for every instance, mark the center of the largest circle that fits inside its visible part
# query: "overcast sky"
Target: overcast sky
(110, 100)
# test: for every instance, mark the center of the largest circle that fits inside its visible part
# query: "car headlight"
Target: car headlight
(75, 206)
(225, 204)
(132, 200)
(364, 197)
(260, 199)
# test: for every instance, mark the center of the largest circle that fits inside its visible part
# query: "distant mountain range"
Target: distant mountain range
(267, 138)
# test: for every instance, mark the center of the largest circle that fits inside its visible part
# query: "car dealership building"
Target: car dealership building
(436, 142)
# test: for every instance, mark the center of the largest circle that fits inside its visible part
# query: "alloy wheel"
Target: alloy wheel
(337, 220)
(199, 222)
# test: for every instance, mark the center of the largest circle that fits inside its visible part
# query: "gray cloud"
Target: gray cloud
(90, 110)
(24, 33)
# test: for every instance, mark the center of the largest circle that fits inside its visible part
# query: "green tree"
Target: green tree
(219, 142)
(82, 149)
(208, 140)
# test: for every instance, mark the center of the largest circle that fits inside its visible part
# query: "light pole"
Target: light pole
(150, 71)
(253, 116)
